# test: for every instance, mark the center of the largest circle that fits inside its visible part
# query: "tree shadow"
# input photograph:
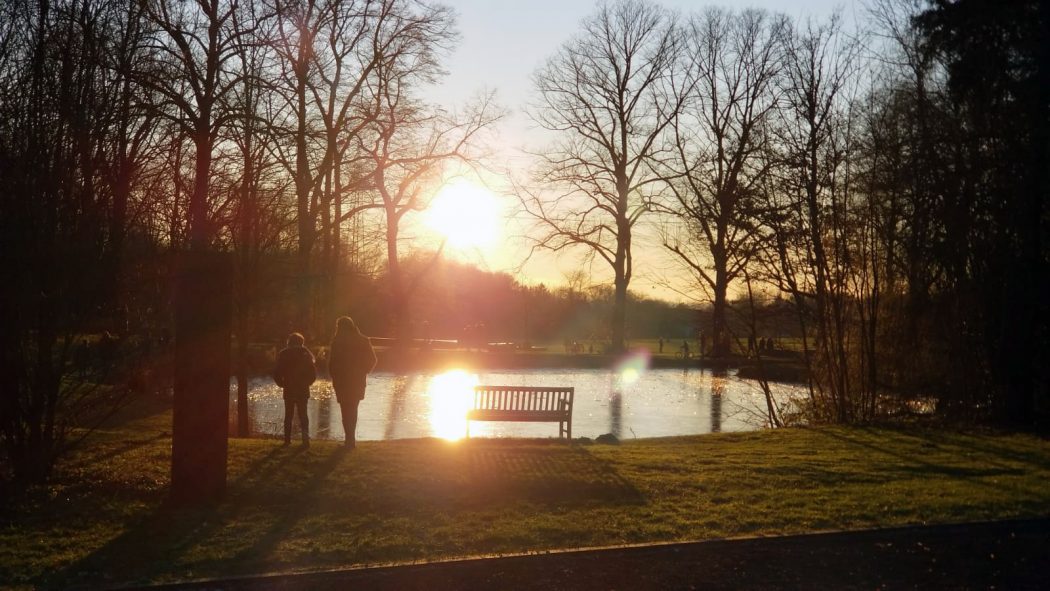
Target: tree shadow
(156, 542)
(988, 449)
(273, 498)
(914, 464)
(100, 454)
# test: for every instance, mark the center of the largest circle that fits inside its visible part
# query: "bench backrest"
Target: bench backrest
(523, 398)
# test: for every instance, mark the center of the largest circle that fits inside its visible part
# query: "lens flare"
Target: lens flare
(631, 368)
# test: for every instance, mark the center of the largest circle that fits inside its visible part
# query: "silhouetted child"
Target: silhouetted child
(295, 373)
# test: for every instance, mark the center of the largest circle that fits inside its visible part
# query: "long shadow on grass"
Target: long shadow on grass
(154, 544)
(990, 451)
(546, 473)
(300, 500)
(915, 465)
(421, 477)
(116, 449)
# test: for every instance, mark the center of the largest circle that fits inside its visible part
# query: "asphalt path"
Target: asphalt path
(992, 555)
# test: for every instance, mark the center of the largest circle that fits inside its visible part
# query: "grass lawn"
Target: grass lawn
(103, 521)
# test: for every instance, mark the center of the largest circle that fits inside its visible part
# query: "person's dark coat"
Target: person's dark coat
(349, 361)
(295, 372)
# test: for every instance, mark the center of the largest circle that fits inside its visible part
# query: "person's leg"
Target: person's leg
(289, 408)
(304, 420)
(349, 411)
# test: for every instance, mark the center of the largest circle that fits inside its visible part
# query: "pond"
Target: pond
(630, 403)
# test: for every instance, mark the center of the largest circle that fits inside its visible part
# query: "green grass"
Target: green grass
(103, 522)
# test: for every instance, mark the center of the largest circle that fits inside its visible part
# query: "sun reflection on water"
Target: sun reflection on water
(451, 396)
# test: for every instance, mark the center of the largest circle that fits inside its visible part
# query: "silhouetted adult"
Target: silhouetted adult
(350, 359)
(295, 373)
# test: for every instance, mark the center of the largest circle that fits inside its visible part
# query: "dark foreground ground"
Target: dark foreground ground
(996, 555)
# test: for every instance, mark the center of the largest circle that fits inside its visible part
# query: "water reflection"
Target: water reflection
(616, 414)
(324, 418)
(718, 388)
(651, 403)
(397, 404)
(450, 396)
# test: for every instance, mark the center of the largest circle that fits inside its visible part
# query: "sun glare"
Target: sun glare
(467, 214)
(451, 395)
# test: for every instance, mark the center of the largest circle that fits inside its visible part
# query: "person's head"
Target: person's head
(345, 325)
(296, 340)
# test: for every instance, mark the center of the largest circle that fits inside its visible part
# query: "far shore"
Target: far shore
(784, 368)
(781, 366)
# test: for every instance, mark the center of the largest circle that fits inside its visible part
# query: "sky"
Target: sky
(502, 42)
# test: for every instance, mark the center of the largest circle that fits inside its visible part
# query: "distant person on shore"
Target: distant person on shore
(350, 359)
(661, 344)
(685, 349)
(295, 373)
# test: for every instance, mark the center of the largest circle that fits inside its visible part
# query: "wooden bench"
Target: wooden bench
(523, 404)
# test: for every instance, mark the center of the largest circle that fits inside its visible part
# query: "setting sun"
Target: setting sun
(465, 213)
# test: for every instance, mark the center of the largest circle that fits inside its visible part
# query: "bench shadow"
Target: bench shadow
(563, 475)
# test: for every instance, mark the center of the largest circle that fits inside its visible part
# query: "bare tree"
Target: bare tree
(609, 97)
(813, 228)
(410, 144)
(193, 76)
(723, 152)
(328, 50)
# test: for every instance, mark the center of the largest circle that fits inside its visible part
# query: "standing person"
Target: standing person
(350, 358)
(295, 373)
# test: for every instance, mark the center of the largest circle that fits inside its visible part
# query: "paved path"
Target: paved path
(995, 555)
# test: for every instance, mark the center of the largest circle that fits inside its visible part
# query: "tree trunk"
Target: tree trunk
(398, 308)
(719, 330)
(303, 209)
(199, 234)
(202, 378)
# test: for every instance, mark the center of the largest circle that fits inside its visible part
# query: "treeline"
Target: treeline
(132, 131)
(890, 181)
(292, 135)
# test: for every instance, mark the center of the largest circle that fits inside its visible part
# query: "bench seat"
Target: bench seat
(527, 416)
